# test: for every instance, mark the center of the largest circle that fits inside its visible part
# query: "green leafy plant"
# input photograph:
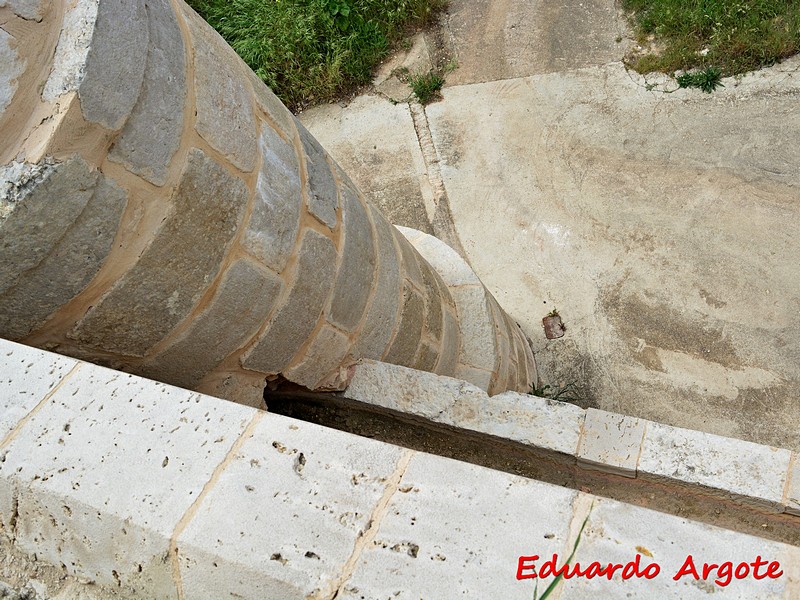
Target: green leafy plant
(554, 583)
(567, 393)
(426, 87)
(707, 80)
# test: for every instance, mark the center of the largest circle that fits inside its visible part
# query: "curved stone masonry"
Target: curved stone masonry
(163, 213)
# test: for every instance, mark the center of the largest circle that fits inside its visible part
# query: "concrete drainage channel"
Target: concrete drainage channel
(729, 483)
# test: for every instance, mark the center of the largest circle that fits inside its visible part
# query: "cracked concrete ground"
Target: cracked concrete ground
(664, 227)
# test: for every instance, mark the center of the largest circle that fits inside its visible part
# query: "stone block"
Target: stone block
(71, 265)
(176, 269)
(322, 361)
(115, 63)
(31, 10)
(728, 466)
(106, 470)
(791, 501)
(27, 375)
(31, 221)
(323, 196)
(246, 296)
(433, 304)
(478, 343)
(611, 442)
(357, 271)
(271, 105)
(69, 61)
(382, 314)
(275, 222)
(409, 331)
(427, 357)
(11, 67)
(153, 132)
(409, 258)
(616, 533)
(451, 346)
(286, 514)
(453, 269)
(224, 102)
(477, 377)
(430, 546)
(297, 319)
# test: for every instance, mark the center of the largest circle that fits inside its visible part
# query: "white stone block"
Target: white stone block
(731, 466)
(611, 442)
(285, 515)
(454, 530)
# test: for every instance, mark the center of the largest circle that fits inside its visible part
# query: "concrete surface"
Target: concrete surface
(107, 493)
(662, 226)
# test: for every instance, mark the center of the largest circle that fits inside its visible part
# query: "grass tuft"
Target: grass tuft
(732, 36)
(426, 87)
(707, 80)
(311, 51)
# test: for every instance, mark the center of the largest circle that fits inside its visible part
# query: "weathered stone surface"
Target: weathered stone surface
(177, 267)
(28, 375)
(730, 465)
(427, 358)
(298, 317)
(478, 344)
(478, 377)
(271, 105)
(69, 62)
(382, 314)
(611, 442)
(322, 193)
(451, 267)
(113, 461)
(38, 203)
(275, 222)
(152, 133)
(430, 545)
(285, 514)
(409, 256)
(356, 277)
(326, 353)
(451, 346)
(68, 268)
(433, 304)
(11, 67)
(115, 62)
(404, 347)
(791, 501)
(246, 296)
(225, 116)
(32, 10)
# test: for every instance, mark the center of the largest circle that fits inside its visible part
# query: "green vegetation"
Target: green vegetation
(568, 393)
(311, 51)
(729, 36)
(426, 86)
(707, 80)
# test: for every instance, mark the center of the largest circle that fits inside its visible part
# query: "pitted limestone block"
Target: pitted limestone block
(275, 222)
(158, 445)
(356, 276)
(478, 342)
(433, 303)
(271, 105)
(611, 442)
(115, 63)
(448, 264)
(224, 103)
(297, 319)
(38, 203)
(245, 298)
(382, 314)
(285, 514)
(27, 375)
(31, 10)
(68, 268)
(478, 377)
(409, 332)
(152, 133)
(11, 67)
(177, 267)
(322, 192)
(409, 256)
(69, 62)
(451, 346)
(321, 361)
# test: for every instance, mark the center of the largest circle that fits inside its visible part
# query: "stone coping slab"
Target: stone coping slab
(158, 492)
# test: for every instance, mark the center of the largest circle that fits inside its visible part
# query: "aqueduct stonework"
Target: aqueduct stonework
(163, 213)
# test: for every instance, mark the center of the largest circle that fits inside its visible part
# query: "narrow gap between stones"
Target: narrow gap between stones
(337, 412)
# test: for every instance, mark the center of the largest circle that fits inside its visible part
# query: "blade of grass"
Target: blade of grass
(558, 577)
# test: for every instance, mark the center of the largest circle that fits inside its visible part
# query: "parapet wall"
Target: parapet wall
(163, 213)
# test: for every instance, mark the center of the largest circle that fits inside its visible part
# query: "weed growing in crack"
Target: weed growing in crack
(707, 80)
